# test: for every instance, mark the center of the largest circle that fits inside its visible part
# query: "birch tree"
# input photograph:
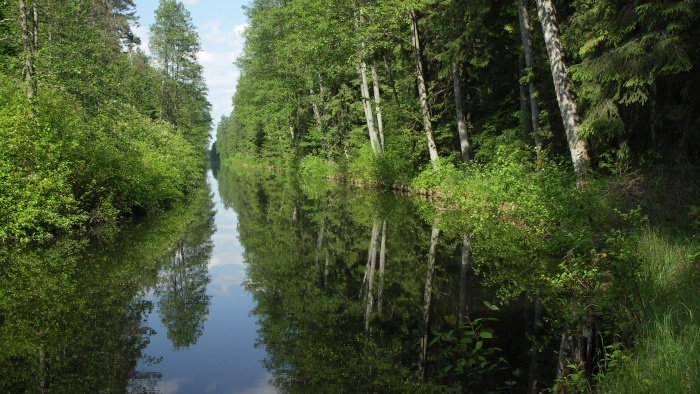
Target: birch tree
(562, 84)
(422, 91)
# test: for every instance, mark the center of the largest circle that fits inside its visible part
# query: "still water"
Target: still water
(223, 359)
(264, 284)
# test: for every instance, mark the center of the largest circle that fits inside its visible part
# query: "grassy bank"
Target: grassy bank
(665, 352)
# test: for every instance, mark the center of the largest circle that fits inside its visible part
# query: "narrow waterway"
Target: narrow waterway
(265, 284)
(223, 359)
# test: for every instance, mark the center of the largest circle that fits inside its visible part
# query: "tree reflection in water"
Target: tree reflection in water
(331, 316)
(72, 312)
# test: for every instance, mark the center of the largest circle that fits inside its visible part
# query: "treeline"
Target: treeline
(92, 129)
(393, 85)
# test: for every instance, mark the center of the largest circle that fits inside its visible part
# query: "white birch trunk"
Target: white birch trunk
(524, 121)
(461, 122)
(380, 125)
(427, 296)
(382, 264)
(369, 274)
(422, 92)
(371, 254)
(562, 86)
(364, 91)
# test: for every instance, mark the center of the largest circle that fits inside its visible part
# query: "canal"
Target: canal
(266, 284)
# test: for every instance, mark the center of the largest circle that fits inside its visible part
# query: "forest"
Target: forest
(92, 129)
(565, 132)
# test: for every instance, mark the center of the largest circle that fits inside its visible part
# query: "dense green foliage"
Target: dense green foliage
(536, 225)
(85, 138)
(633, 66)
(330, 319)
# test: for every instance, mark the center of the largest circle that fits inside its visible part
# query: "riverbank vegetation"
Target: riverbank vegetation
(92, 129)
(564, 131)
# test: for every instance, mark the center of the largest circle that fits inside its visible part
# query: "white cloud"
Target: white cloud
(142, 33)
(233, 37)
(221, 46)
(264, 386)
(190, 1)
(221, 76)
(222, 283)
(171, 386)
(223, 258)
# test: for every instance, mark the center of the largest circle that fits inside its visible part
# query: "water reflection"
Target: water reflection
(205, 335)
(348, 289)
(352, 288)
(183, 303)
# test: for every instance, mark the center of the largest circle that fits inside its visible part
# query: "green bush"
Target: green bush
(35, 167)
(60, 168)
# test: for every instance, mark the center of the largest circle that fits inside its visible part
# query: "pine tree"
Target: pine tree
(174, 44)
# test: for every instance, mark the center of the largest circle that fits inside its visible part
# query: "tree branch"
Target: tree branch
(396, 37)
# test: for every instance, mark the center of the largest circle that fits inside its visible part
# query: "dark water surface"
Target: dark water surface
(266, 285)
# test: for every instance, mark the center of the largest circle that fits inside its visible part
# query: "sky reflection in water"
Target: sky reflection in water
(224, 359)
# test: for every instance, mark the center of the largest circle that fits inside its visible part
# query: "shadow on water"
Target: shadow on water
(73, 312)
(363, 290)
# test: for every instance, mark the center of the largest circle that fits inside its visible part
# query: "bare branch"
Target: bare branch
(8, 20)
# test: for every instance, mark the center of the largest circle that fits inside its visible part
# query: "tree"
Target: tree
(174, 44)
(422, 92)
(526, 35)
(562, 84)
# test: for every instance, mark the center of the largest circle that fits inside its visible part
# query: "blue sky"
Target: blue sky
(220, 24)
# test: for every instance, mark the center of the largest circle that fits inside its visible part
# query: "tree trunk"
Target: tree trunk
(524, 126)
(382, 263)
(371, 263)
(466, 256)
(326, 271)
(535, 353)
(427, 296)
(319, 242)
(323, 99)
(371, 254)
(27, 42)
(317, 114)
(526, 36)
(364, 91)
(380, 125)
(461, 123)
(391, 81)
(422, 92)
(562, 86)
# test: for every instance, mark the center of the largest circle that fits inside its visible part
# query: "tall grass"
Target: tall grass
(666, 356)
